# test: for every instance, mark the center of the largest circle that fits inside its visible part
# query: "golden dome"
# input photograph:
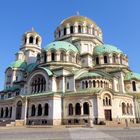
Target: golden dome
(32, 31)
(77, 18)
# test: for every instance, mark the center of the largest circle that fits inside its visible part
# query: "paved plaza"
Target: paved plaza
(69, 133)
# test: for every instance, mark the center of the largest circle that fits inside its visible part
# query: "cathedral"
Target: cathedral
(75, 79)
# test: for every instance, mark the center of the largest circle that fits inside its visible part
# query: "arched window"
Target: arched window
(104, 102)
(37, 41)
(2, 113)
(105, 59)
(38, 58)
(71, 57)
(45, 57)
(6, 112)
(31, 40)
(71, 30)
(59, 33)
(53, 56)
(134, 86)
(121, 59)
(131, 109)
(70, 109)
(94, 83)
(107, 100)
(65, 31)
(38, 84)
(90, 84)
(46, 109)
(86, 108)
(83, 84)
(123, 108)
(102, 84)
(25, 40)
(88, 29)
(62, 56)
(86, 84)
(79, 29)
(77, 109)
(39, 110)
(33, 111)
(114, 58)
(97, 60)
(98, 85)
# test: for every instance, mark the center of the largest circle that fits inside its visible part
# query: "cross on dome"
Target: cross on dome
(33, 29)
(77, 13)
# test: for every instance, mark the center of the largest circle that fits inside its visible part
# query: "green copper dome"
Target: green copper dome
(61, 45)
(132, 75)
(105, 48)
(18, 64)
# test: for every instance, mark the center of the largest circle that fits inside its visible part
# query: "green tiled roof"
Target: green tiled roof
(89, 74)
(61, 45)
(13, 88)
(47, 70)
(132, 75)
(30, 67)
(105, 48)
(40, 94)
(18, 64)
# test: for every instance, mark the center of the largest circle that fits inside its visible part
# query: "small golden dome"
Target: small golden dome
(77, 18)
(32, 32)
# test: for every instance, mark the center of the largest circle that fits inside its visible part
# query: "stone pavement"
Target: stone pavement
(79, 133)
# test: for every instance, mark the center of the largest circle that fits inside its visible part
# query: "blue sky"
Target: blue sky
(118, 19)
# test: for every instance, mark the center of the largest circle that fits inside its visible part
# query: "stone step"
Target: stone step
(5, 122)
(19, 122)
(10, 125)
(13, 123)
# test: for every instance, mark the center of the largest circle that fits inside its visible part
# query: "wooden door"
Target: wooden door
(108, 115)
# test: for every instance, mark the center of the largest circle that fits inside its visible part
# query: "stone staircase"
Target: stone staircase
(4, 123)
(10, 123)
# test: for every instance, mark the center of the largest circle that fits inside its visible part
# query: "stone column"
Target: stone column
(13, 117)
(67, 57)
(68, 29)
(4, 112)
(73, 110)
(36, 110)
(101, 60)
(63, 84)
(110, 57)
(24, 110)
(27, 42)
(57, 56)
(75, 27)
(43, 109)
(34, 40)
(82, 113)
(48, 56)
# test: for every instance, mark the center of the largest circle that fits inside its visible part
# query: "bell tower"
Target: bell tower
(31, 46)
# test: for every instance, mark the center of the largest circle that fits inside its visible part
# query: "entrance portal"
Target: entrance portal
(19, 110)
(108, 115)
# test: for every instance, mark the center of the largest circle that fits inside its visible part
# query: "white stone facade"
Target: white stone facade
(73, 79)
